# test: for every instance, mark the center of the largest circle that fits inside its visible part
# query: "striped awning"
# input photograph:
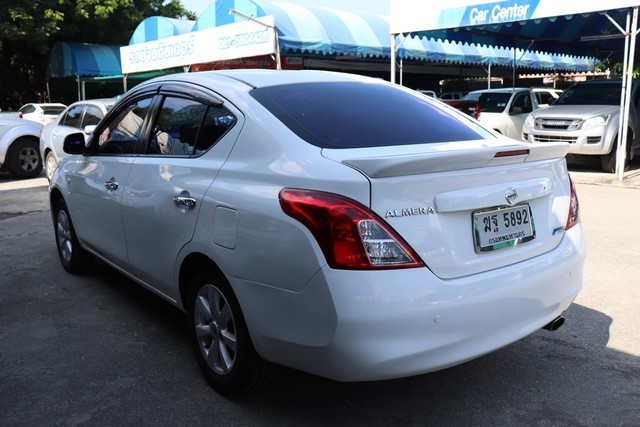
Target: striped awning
(429, 49)
(312, 30)
(83, 59)
(327, 31)
(159, 27)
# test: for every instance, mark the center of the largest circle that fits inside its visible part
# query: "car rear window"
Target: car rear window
(53, 110)
(358, 115)
(493, 102)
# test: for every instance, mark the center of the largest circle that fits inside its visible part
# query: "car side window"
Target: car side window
(73, 116)
(217, 122)
(544, 97)
(522, 102)
(121, 134)
(92, 116)
(186, 127)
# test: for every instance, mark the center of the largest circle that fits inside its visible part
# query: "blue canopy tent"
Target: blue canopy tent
(89, 63)
(82, 60)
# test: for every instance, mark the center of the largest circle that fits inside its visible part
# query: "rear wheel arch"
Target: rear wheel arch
(190, 266)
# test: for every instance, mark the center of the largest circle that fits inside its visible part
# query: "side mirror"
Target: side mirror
(73, 143)
(516, 110)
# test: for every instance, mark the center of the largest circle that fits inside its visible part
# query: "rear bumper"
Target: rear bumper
(361, 326)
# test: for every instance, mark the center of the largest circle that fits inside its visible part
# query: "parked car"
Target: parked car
(451, 95)
(430, 93)
(41, 113)
(81, 116)
(332, 223)
(504, 109)
(546, 95)
(19, 154)
(587, 117)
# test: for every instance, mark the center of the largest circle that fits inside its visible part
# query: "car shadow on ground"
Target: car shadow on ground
(548, 377)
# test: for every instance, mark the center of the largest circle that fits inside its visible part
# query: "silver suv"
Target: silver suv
(586, 116)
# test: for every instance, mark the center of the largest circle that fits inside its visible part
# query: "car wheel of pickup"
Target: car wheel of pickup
(608, 161)
(220, 337)
(74, 259)
(23, 159)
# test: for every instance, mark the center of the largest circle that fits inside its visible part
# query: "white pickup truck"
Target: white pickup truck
(587, 117)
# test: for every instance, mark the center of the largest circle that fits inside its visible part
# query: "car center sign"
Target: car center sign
(239, 40)
(408, 16)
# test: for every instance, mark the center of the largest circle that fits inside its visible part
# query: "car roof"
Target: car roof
(45, 104)
(256, 78)
(500, 90)
(98, 101)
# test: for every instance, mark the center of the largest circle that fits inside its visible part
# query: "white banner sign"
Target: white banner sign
(239, 40)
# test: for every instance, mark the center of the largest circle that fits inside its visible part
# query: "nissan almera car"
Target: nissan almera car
(331, 223)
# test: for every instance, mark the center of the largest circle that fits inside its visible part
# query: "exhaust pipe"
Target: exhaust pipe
(554, 324)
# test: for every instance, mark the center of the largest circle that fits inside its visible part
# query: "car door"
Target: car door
(97, 183)
(167, 183)
(521, 106)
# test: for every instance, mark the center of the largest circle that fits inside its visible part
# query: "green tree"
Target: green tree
(30, 28)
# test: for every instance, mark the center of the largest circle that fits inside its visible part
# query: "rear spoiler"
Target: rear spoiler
(400, 161)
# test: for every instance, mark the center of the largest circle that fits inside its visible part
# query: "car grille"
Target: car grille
(555, 138)
(557, 124)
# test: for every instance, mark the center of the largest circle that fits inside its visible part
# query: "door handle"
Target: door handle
(184, 200)
(112, 184)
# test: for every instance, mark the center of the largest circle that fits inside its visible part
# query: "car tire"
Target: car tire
(608, 161)
(220, 338)
(74, 259)
(50, 165)
(23, 159)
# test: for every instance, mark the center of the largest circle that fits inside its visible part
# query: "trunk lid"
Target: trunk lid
(429, 195)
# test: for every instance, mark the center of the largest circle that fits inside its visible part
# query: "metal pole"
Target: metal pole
(275, 32)
(630, 45)
(513, 83)
(393, 58)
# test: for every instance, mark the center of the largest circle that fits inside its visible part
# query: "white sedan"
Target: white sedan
(81, 116)
(19, 154)
(331, 223)
(41, 113)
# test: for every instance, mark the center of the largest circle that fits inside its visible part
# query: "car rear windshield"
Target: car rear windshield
(358, 115)
(591, 94)
(53, 110)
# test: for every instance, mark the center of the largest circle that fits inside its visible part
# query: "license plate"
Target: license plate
(501, 228)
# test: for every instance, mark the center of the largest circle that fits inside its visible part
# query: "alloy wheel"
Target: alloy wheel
(215, 329)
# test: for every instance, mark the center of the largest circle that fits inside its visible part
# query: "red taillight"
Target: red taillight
(477, 113)
(19, 115)
(349, 234)
(574, 207)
